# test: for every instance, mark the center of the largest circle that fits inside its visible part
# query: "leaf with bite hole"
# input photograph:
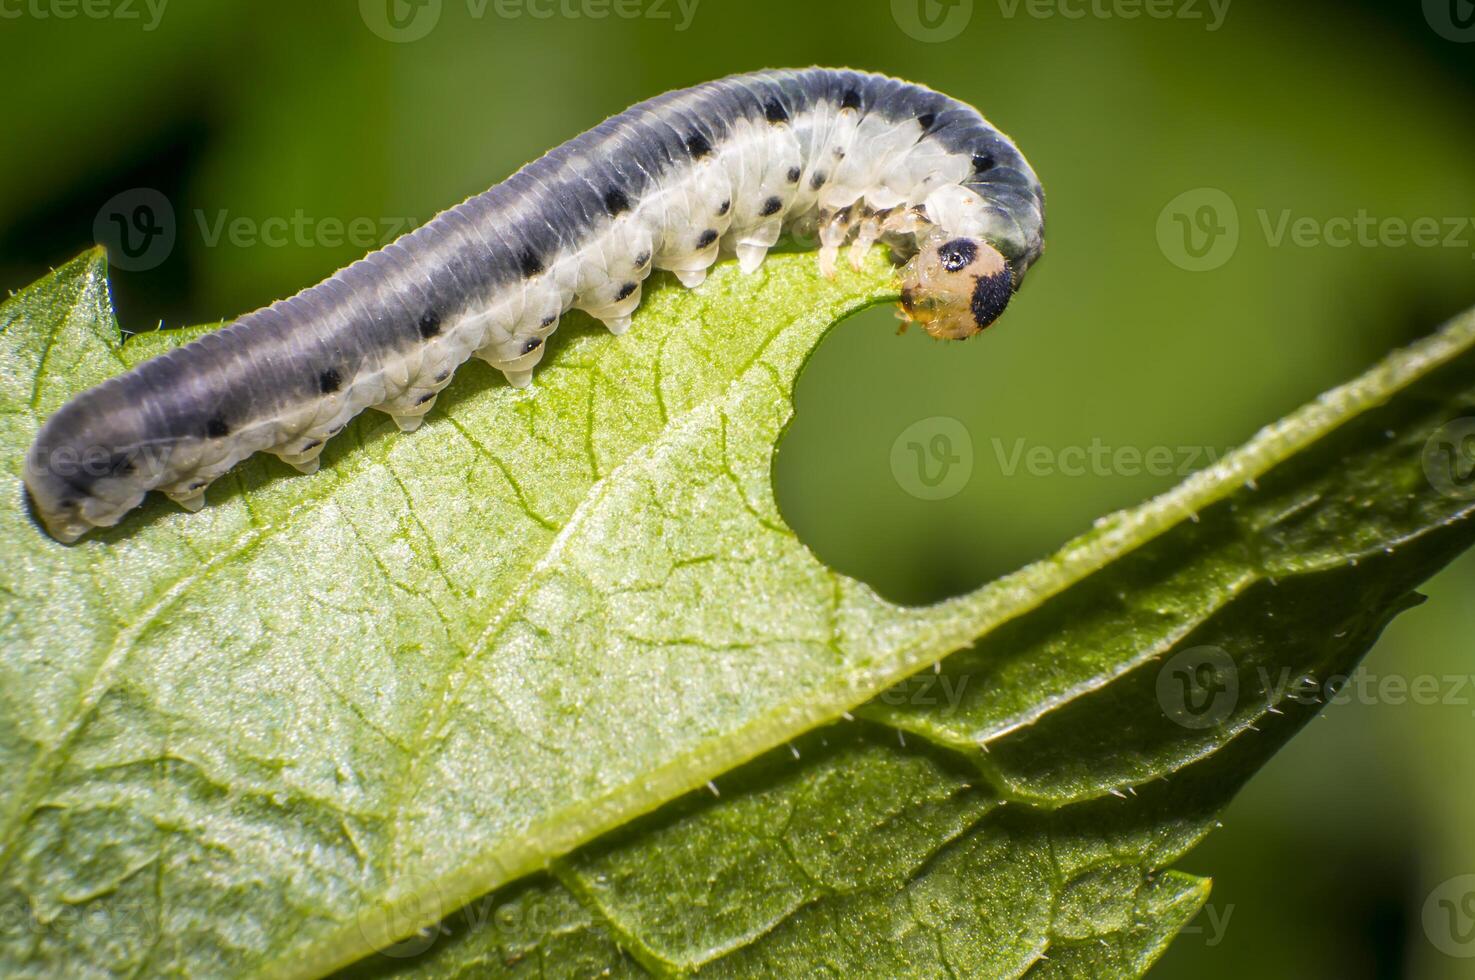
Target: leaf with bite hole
(330, 711)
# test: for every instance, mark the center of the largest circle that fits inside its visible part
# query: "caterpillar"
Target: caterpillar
(728, 167)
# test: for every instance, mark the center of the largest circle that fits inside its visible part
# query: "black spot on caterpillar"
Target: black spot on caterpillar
(697, 146)
(492, 275)
(615, 202)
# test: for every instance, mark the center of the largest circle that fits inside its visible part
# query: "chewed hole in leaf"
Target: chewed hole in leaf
(925, 468)
(328, 712)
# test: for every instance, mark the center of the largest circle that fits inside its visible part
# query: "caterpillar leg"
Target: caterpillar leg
(408, 423)
(190, 500)
(616, 315)
(833, 231)
(751, 247)
(750, 257)
(518, 372)
(407, 418)
(868, 234)
(306, 461)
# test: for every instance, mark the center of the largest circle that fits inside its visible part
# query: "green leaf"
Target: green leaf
(864, 853)
(329, 711)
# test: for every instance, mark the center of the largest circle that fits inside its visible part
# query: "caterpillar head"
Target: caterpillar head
(956, 286)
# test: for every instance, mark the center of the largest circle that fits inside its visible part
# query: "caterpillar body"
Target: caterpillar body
(729, 167)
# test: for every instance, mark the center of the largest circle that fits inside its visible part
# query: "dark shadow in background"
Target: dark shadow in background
(55, 231)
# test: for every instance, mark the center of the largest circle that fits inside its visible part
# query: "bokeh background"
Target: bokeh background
(1170, 318)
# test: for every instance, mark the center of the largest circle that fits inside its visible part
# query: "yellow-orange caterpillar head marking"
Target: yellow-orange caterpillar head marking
(955, 287)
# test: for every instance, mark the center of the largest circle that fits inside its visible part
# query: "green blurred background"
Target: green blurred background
(1262, 112)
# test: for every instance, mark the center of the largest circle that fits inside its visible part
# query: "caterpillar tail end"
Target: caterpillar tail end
(65, 505)
(63, 529)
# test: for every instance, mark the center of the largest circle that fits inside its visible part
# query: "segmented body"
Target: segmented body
(819, 155)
